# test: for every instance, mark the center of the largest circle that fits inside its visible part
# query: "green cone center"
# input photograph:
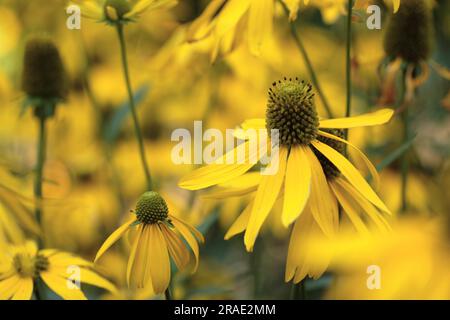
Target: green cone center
(330, 170)
(291, 111)
(151, 208)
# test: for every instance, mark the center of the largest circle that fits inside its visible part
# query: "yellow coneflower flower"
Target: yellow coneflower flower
(157, 237)
(118, 11)
(292, 112)
(226, 21)
(21, 265)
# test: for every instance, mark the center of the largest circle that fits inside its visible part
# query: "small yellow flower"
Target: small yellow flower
(228, 21)
(119, 11)
(411, 262)
(292, 112)
(157, 237)
(21, 265)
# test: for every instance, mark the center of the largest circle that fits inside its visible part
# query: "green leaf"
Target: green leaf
(112, 128)
(395, 155)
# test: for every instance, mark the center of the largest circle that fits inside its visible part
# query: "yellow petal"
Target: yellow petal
(260, 22)
(131, 259)
(143, 5)
(295, 256)
(396, 4)
(259, 123)
(297, 186)
(90, 9)
(351, 173)
(266, 195)
(373, 171)
(349, 209)
(9, 286)
(198, 235)
(369, 119)
(59, 286)
(241, 222)
(159, 260)
(177, 249)
(201, 27)
(186, 232)
(86, 276)
(365, 205)
(112, 239)
(219, 173)
(24, 291)
(230, 16)
(322, 203)
(242, 185)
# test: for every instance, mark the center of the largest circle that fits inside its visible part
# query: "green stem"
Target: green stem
(348, 67)
(137, 129)
(405, 160)
(298, 291)
(40, 160)
(309, 66)
(168, 294)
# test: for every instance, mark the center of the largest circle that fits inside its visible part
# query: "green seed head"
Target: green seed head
(409, 32)
(330, 170)
(119, 9)
(151, 208)
(43, 71)
(292, 112)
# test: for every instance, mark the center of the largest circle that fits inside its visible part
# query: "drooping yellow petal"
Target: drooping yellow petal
(369, 119)
(351, 173)
(186, 232)
(260, 23)
(295, 255)
(230, 16)
(143, 5)
(24, 291)
(59, 285)
(349, 209)
(131, 259)
(159, 259)
(221, 171)
(396, 4)
(62, 259)
(197, 234)
(112, 239)
(265, 198)
(202, 26)
(9, 286)
(297, 186)
(373, 171)
(239, 186)
(90, 9)
(365, 205)
(177, 249)
(322, 204)
(241, 222)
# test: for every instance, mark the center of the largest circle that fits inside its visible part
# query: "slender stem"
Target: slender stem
(406, 137)
(168, 294)
(133, 107)
(308, 63)
(405, 161)
(40, 159)
(348, 67)
(298, 291)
